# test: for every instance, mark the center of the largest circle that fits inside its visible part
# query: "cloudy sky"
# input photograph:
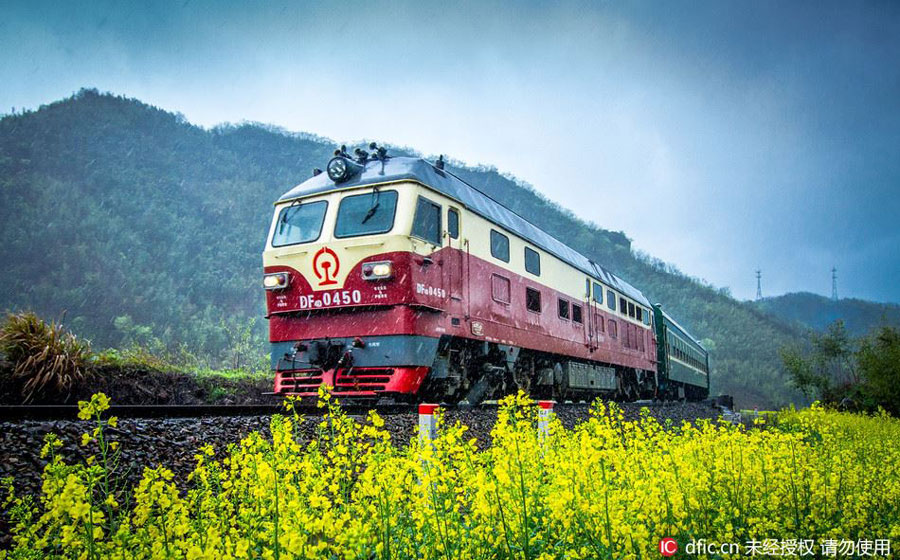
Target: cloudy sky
(720, 136)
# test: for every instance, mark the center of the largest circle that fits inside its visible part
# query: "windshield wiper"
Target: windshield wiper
(376, 194)
(371, 212)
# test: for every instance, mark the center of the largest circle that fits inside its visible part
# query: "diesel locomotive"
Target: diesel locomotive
(391, 278)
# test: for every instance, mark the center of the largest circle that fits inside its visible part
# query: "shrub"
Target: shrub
(46, 358)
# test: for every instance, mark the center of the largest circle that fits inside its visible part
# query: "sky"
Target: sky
(720, 136)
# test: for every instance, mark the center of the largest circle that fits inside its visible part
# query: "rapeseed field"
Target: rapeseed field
(609, 488)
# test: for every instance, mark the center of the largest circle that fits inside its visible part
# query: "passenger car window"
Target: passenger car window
(533, 300)
(630, 309)
(499, 246)
(427, 222)
(366, 214)
(532, 261)
(611, 299)
(299, 223)
(598, 293)
(453, 223)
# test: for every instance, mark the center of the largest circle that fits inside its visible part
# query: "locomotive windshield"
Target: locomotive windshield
(366, 214)
(299, 223)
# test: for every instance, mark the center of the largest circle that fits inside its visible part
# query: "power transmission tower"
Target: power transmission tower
(758, 284)
(834, 296)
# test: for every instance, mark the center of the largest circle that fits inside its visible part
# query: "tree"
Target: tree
(879, 364)
(863, 373)
(828, 369)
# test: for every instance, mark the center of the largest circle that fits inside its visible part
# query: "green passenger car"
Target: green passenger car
(683, 362)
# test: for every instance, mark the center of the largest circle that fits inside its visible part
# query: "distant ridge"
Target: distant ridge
(817, 312)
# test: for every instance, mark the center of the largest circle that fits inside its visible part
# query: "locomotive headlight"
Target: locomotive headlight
(341, 169)
(276, 281)
(337, 169)
(377, 270)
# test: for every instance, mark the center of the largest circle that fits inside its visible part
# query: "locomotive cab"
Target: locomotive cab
(357, 282)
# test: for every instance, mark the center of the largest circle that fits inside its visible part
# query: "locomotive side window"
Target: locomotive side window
(630, 309)
(563, 309)
(576, 314)
(598, 293)
(611, 299)
(427, 222)
(640, 313)
(299, 223)
(366, 214)
(499, 288)
(532, 300)
(532, 261)
(623, 306)
(613, 329)
(453, 223)
(499, 246)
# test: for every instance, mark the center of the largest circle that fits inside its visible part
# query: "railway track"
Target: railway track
(12, 413)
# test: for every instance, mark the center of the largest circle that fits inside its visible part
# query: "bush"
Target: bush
(46, 359)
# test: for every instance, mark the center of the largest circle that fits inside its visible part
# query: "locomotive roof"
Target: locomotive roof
(421, 171)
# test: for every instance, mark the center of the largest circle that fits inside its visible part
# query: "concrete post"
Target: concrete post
(546, 408)
(427, 423)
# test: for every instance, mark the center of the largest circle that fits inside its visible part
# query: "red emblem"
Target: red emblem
(327, 260)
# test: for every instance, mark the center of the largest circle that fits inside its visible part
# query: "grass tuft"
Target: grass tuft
(47, 360)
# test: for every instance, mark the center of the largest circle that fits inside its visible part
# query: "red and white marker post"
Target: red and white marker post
(546, 408)
(427, 422)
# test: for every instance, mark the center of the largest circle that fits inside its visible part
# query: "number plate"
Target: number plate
(330, 299)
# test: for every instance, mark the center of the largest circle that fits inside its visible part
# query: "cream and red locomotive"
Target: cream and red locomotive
(391, 277)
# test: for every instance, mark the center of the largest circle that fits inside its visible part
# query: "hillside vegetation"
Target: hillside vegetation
(138, 227)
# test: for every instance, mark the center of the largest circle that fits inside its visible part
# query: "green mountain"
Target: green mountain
(134, 223)
(816, 312)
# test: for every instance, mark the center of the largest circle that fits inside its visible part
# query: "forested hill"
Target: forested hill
(817, 312)
(137, 225)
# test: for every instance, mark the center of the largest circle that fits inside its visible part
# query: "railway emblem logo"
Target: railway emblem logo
(326, 266)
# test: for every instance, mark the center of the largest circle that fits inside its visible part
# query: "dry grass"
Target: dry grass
(46, 358)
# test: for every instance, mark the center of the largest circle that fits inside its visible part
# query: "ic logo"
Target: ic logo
(668, 546)
(326, 260)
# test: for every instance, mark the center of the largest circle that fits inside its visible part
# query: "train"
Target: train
(390, 278)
